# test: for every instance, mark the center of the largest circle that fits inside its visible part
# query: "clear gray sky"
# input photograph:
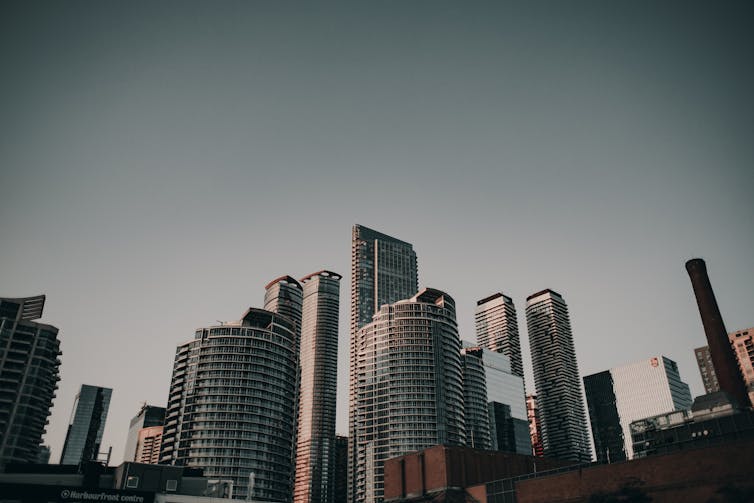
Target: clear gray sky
(160, 162)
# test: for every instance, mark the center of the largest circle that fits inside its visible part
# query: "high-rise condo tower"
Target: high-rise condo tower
(497, 329)
(315, 451)
(556, 377)
(231, 405)
(383, 271)
(30, 370)
(408, 392)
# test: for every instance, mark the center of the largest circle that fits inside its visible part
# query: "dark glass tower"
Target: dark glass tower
(29, 375)
(84, 436)
(556, 377)
(603, 416)
(383, 271)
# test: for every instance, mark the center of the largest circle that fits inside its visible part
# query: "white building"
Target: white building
(624, 394)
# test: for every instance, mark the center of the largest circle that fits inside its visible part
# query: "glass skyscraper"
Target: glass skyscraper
(315, 449)
(501, 424)
(383, 271)
(231, 405)
(556, 377)
(149, 416)
(84, 437)
(497, 329)
(29, 375)
(624, 394)
(408, 392)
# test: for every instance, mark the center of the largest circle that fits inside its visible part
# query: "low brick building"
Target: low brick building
(717, 473)
(444, 472)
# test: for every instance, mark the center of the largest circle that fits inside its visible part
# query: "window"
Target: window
(132, 482)
(171, 485)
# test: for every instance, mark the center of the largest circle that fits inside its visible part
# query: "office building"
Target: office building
(409, 386)
(622, 395)
(383, 271)
(706, 369)
(742, 342)
(556, 377)
(315, 448)
(29, 375)
(84, 437)
(231, 405)
(535, 426)
(495, 406)
(148, 416)
(497, 329)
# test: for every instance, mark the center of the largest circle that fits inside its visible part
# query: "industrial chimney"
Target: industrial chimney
(723, 359)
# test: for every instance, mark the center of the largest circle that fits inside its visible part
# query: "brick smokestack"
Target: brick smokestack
(723, 358)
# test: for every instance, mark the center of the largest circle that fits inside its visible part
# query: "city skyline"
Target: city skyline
(151, 155)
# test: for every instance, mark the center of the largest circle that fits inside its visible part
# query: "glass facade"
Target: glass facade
(383, 271)
(409, 386)
(609, 443)
(505, 425)
(84, 436)
(509, 425)
(29, 375)
(497, 329)
(149, 416)
(556, 377)
(231, 405)
(315, 448)
(635, 391)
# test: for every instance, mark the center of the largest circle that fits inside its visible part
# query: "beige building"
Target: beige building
(148, 445)
(742, 342)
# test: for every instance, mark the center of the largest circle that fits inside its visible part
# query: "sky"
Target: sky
(160, 162)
